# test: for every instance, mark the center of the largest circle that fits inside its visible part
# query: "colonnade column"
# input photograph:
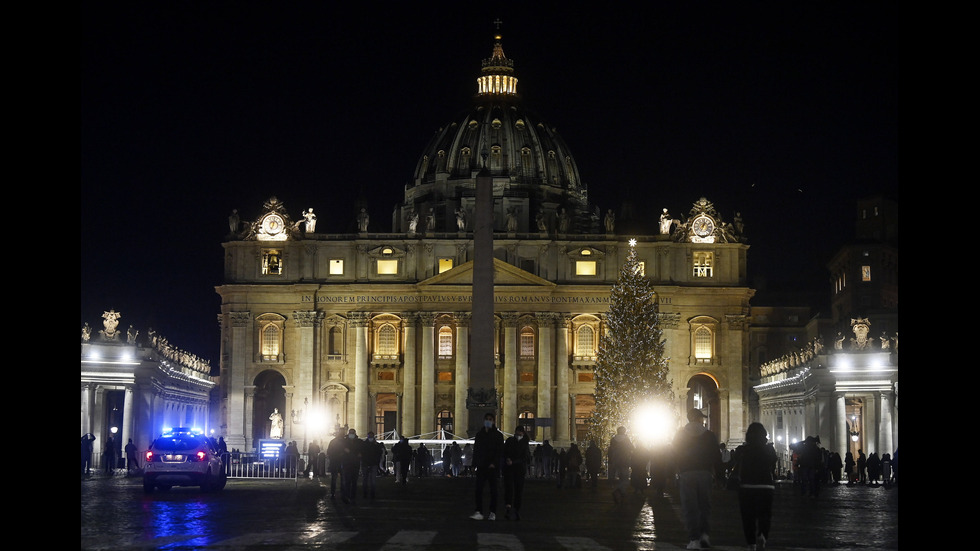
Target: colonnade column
(546, 343)
(360, 423)
(87, 391)
(307, 323)
(427, 409)
(126, 431)
(509, 417)
(840, 443)
(409, 386)
(562, 418)
(462, 382)
(884, 424)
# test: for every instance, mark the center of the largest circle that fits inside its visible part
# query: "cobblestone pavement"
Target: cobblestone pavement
(433, 514)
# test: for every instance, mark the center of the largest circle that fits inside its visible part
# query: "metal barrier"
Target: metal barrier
(254, 466)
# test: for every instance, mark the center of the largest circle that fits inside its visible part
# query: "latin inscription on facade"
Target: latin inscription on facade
(415, 299)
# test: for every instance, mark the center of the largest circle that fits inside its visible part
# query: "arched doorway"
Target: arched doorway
(703, 395)
(269, 395)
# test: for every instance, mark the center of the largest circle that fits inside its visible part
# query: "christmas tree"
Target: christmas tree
(631, 371)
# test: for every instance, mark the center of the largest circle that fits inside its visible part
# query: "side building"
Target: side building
(133, 387)
(840, 383)
(371, 329)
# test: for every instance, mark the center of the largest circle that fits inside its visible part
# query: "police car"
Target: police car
(183, 457)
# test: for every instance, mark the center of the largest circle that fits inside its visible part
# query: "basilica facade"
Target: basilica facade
(371, 329)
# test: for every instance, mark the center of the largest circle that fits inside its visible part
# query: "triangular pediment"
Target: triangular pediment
(503, 274)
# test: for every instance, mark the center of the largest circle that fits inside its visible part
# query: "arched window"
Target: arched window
(527, 342)
(269, 342)
(585, 341)
(387, 340)
(445, 341)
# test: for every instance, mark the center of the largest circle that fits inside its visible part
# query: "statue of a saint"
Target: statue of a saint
(413, 222)
(275, 431)
(430, 221)
(563, 221)
(234, 222)
(665, 221)
(610, 221)
(310, 220)
(461, 219)
(362, 220)
(131, 335)
(542, 225)
(86, 332)
(511, 221)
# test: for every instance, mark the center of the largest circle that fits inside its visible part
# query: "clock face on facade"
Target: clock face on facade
(703, 226)
(273, 224)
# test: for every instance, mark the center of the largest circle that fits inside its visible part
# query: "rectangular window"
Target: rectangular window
(585, 267)
(865, 273)
(387, 267)
(527, 344)
(336, 266)
(703, 264)
(445, 264)
(272, 262)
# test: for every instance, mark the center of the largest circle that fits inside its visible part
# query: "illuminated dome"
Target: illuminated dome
(534, 174)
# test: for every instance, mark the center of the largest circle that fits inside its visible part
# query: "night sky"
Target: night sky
(785, 112)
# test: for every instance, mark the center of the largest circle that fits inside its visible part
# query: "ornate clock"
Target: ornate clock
(703, 226)
(273, 228)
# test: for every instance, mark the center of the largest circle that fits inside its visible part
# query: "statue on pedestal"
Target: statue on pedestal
(275, 431)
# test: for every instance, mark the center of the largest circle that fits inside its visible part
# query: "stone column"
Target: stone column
(884, 424)
(509, 417)
(546, 346)
(248, 395)
(462, 383)
(842, 439)
(126, 431)
(563, 419)
(359, 423)
(409, 386)
(87, 402)
(307, 323)
(239, 421)
(428, 382)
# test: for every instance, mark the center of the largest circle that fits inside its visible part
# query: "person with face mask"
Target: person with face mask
(516, 454)
(488, 450)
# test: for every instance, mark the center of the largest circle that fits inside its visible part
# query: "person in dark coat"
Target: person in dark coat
(371, 453)
(350, 464)
(755, 463)
(335, 457)
(402, 453)
(516, 453)
(488, 449)
(312, 459)
(593, 464)
(574, 461)
(88, 446)
(849, 468)
(696, 456)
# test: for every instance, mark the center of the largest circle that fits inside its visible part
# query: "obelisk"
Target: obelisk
(482, 393)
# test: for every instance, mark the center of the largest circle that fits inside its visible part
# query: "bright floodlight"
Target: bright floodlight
(652, 424)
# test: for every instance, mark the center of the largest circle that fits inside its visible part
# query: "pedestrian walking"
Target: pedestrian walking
(849, 465)
(862, 467)
(696, 453)
(574, 460)
(619, 454)
(109, 456)
(755, 463)
(132, 463)
(874, 469)
(371, 453)
(886, 469)
(88, 446)
(456, 459)
(402, 453)
(593, 464)
(516, 454)
(468, 459)
(335, 458)
(488, 447)
(312, 459)
(350, 464)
